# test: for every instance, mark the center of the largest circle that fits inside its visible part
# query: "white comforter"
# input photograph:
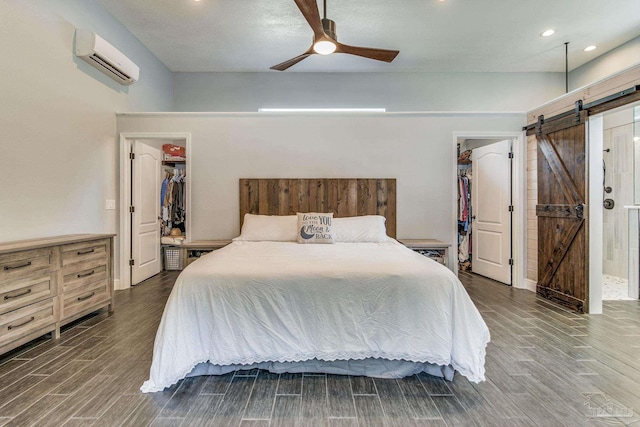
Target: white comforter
(253, 302)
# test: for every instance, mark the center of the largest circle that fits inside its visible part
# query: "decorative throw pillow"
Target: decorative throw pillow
(315, 227)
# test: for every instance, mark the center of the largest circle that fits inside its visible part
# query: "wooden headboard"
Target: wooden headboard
(343, 197)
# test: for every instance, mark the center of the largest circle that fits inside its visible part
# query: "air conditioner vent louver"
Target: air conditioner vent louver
(101, 55)
(110, 68)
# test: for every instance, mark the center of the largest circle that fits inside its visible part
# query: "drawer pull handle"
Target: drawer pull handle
(8, 297)
(15, 267)
(10, 327)
(87, 297)
(90, 251)
(86, 274)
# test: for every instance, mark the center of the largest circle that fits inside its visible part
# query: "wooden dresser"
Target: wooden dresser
(47, 283)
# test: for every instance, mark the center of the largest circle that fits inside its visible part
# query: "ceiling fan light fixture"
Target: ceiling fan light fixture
(324, 47)
(325, 41)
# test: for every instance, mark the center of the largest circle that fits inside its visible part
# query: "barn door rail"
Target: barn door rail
(599, 105)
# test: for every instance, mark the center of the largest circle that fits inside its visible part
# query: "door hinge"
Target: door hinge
(510, 208)
(510, 261)
(132, 156)
(132, 209)
(131, 262)
(511, 155)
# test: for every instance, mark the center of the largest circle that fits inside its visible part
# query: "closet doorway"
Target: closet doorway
(144, 218)
(490, 215)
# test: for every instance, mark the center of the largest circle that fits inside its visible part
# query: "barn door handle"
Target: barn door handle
(580, 212)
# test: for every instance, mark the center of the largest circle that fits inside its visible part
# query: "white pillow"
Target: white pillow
(274, 228)
(314, 227)
(360, 229)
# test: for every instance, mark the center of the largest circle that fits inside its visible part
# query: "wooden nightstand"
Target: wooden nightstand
(193, 250)
(432, 248)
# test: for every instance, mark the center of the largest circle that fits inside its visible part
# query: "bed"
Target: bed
(362, 305)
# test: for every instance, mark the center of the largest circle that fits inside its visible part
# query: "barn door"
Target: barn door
(563, 268)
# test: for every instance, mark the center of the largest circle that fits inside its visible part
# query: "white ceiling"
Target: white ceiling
(431, 35)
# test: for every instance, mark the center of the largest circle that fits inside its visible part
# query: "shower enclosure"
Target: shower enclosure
(618, 194)
(634, 213)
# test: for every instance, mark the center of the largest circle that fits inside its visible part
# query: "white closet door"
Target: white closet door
(490, 197)
(146, 201)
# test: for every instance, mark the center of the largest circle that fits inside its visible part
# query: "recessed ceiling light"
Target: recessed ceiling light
(589, 48)
(548, 32)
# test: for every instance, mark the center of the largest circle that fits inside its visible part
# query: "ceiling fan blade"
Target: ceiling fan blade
(367, 52)
(309, 9)
(293, 61)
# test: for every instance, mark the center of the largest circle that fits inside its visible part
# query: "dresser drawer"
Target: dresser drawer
(18, 323)
(83, 298)
(19, 264)
(74, 277)
(85, 253)
(27, 290)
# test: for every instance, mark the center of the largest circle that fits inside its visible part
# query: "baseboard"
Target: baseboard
(530, 285)
(117, 286)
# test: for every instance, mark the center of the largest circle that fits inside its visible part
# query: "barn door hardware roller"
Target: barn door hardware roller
(578, 110)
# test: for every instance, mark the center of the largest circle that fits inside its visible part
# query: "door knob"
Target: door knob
(609, 203)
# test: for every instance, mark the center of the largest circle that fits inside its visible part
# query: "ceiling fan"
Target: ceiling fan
(325, 41)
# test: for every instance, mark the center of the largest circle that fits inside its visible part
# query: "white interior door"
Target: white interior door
(145, 227)
(490, 198)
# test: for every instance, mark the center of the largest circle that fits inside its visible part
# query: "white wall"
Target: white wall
(57, 114)
(614, 61)
(394, 91)
(416, 149)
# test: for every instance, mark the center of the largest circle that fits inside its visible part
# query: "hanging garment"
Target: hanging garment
(463, 248)
(464, 199)
(464, 216)
(163, 190)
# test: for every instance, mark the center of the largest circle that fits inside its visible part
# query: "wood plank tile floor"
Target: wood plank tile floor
(545, 367)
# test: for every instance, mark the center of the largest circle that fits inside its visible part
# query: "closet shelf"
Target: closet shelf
(173, 162)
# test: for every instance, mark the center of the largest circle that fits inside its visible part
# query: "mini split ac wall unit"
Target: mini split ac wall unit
(98, 53)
